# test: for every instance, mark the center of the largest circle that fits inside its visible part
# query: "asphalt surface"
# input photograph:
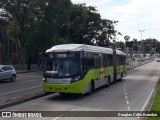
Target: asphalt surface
(24, 81)
(31, 80)
(133, 93)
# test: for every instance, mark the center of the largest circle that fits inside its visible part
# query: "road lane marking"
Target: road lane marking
(20, 90)
(147, 100)
(129, 109)
(105, 92)
(65, 113)
(126, 97)
(89, 99)
(95, 97)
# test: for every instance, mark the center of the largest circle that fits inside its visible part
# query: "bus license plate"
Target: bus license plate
(58, 89)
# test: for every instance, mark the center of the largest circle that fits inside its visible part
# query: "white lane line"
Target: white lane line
(129, 109)
(105, 92)
(56, 118)
(20, 90)
(65, 113)
(126, 97)
(147, 100)
(127, 102)
(95, 97)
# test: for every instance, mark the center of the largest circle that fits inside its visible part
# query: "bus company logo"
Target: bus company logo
(6, 114)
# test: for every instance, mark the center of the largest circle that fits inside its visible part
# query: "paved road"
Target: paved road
(30, 80)
(131, 94)
(24, 81)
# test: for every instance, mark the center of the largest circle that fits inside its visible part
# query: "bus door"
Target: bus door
(105, 64)
(97, 66)
(118, 64)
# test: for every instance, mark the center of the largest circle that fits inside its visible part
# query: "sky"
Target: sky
(133, 15)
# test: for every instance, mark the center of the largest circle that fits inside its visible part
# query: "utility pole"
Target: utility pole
(142, 44)
(114, 60)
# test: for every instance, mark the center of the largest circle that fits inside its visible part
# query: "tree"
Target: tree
(5, 18)
(40, 24)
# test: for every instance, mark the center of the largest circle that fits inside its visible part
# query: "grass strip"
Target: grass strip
(156, 103)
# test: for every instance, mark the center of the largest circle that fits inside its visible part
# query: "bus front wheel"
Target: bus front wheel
(91, 88)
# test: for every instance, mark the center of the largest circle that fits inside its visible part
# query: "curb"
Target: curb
(27, 71)
(20, 101)
(16, 102)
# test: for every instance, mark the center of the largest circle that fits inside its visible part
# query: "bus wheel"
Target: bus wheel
(121, 77)
(108, 81)
(91, 88)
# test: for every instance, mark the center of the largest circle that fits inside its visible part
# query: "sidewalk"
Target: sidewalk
(138, 63)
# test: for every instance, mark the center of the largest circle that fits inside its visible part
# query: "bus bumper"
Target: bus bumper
(63, 88)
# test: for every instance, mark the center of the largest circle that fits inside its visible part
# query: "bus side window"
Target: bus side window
(90, 62)
(83, 64)
(105, 61)
(95, 61)
(110, 60)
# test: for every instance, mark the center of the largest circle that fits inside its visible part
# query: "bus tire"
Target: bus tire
(108, 81)
(91, 88)
(121, 77)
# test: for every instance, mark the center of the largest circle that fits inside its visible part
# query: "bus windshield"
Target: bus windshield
(62, 67)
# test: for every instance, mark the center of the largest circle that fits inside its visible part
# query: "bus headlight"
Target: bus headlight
(44, 79)
(75, 79)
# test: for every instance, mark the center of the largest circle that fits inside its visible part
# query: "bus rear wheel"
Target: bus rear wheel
(121, 77)
(108, 81)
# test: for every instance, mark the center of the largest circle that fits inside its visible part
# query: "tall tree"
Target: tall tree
(84, 23)
(5, 18)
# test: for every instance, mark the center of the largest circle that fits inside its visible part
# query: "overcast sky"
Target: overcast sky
(133, 15)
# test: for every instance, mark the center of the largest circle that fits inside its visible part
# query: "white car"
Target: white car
(7, 72)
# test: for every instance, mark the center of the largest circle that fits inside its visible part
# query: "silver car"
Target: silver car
(158, 60)
(7, 72)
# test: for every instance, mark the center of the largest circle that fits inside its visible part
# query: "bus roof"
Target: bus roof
(82, 47)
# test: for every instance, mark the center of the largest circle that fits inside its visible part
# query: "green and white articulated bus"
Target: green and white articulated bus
(80, 68)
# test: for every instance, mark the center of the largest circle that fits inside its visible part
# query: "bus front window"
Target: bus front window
(62, 68)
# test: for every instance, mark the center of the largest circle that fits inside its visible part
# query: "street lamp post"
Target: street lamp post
(114, 60)
(142, 45)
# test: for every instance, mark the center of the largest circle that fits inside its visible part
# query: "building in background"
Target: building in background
(8, 52)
